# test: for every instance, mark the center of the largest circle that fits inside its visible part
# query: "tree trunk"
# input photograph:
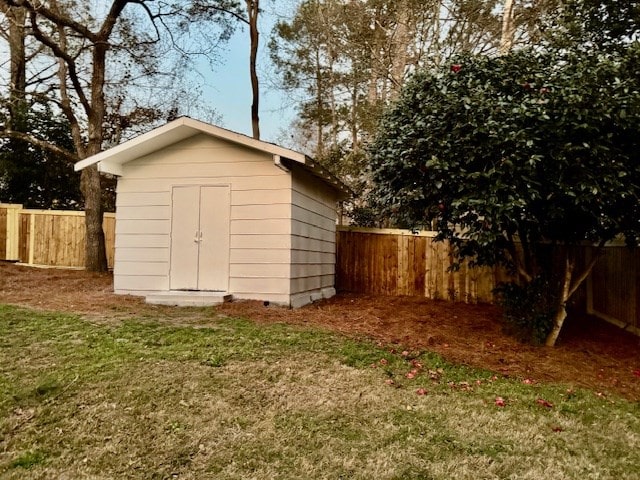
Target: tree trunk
(558, 320)
(561, 307)
(252, 10)
(355, 141)
(319, 105)
(403, 38)
(95, 251)
(508, 27)
(18, 67)
(90, 184)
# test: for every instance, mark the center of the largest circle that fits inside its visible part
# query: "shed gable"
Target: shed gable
(202, 155)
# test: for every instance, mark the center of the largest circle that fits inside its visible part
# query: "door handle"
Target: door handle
(198, 237)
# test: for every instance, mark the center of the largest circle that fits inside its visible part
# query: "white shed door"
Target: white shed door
(200, 217)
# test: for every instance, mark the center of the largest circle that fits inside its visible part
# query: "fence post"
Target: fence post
(13, 231)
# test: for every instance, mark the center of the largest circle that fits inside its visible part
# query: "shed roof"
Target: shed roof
(111, 161)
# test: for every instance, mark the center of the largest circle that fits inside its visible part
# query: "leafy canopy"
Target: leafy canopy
(542, 145)
(32, 176)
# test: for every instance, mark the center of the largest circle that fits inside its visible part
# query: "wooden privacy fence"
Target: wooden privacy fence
(48, 237)
(399, 262)
(613, 290)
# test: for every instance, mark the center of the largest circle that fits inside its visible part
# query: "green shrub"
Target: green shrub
(527, 309)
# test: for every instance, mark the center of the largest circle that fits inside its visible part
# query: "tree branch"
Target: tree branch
(515, 257)
(43, 144)
(110, 20)
(68, 60)
(152, 17)
(225, 11)
(39, 8)
(585, 273)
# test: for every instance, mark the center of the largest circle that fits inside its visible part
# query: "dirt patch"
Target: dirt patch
(590, 353)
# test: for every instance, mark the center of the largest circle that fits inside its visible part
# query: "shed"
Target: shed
(203, 213)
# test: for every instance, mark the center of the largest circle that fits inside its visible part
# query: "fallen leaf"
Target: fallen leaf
(527, 381)
(557, 429)
(421, 391)
(383, 361)
(544, 403)
(405, 353)
(500, 402)
(410, 375)
(637, 372)
(388, 381)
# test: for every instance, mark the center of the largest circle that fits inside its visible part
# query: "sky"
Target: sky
(228, 89)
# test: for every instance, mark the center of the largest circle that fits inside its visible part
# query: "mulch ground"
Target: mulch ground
(590, 353)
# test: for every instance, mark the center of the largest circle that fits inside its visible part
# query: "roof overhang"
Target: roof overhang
(111, 161)
(317, 170)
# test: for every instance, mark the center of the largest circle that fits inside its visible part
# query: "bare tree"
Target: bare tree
(253, 10)
(83, 45)
(231, 9)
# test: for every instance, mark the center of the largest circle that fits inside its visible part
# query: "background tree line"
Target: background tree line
(346, 61)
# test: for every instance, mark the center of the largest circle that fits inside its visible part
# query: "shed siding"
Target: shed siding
(260, 229)
(313, 228)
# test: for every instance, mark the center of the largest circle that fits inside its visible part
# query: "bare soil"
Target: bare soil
(590, 353)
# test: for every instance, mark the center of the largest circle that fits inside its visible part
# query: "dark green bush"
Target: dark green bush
(527, 309)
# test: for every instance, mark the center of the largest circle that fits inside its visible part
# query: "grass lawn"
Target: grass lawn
(143, 399)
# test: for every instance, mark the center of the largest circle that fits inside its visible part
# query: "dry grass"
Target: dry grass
(590, 353)
(237, 400)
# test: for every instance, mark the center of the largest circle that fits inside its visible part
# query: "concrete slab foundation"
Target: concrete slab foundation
(180, 298)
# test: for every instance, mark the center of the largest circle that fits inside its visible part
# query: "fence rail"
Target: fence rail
(48, 237)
